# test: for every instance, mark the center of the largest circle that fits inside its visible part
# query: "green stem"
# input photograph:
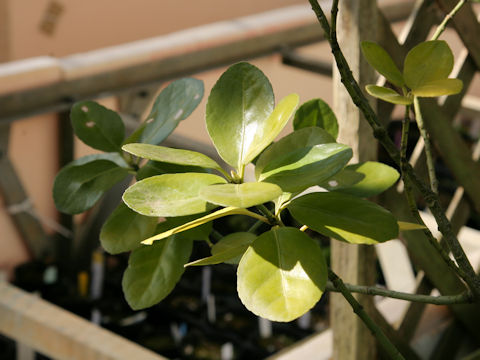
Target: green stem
(271, 218)
(216, 235)
(408, 191)
(255, 226)
(381, 135)
(387, 345)
(428, 146)
(463, 298)
(443, 25)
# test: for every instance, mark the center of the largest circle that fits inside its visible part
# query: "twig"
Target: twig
(381, 135)
(339, 286)
(463, 298)
(443, 25)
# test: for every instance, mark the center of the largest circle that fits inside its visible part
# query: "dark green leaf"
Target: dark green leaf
(152, 168)
(282, 275)
(240, 195)
(316, 112)
(345, 217)
(366, 179)
(154, 270)
(80, 184)
(125, 229)
(381, 61)
(305, 167)
(200, 232)
(170, 195)
(174, 104)
(97, 126)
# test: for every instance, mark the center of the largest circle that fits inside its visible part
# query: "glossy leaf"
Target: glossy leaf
(365, 179)
(174, 104)
(171, 155)
(80, 184)
(407, 226)
(153, 271)
(381, 61)
(299, 139)
(240, 195)
(316, 112)
(344, 217)
(229, 249)
(97, 126)
(282, 275)
(388, 95)
(125, 229)
(439, 88)
(153, 168)
(238, 106)
(297, 170)
(428, 61)
(170, 195)
(197, 222)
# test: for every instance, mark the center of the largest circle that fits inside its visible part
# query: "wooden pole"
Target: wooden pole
(4, 32)
(354, 264)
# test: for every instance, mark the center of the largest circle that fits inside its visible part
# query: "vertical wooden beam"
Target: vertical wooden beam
(4, 32)
(355, 264)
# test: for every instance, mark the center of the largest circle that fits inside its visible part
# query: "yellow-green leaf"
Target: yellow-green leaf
(388, 95)
(407, 226)
(439, 88)
(381, 61)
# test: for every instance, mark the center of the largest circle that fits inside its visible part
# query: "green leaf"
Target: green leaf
(153, 271)
(282, 275)
(170, 194)
(381, 61)
(152, 168)
(238, 106)
(174, 104)
(200, 221)
(97, 126)
(229, 249)
(80, 184)
(344, 217)
(136, 135)
(170, 155)
(240, 195)
(316, 112)
(407, 226)
(125, 229)
(388, 95)
(305, 167)
(439, 88)
(200, 232)
(365, 179)
(428, 61)
(298, 139)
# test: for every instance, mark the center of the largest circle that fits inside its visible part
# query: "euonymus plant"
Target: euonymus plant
(179, 193)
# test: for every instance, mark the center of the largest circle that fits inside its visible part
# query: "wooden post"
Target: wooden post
(354, 264)
(4, 32)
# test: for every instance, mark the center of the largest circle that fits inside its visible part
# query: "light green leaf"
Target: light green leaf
(97, 126)
(344, 217)
(388, 95)
(240, 195)
(125, 229)
(316, 112)
(170, 195)
(439, 88)
(229, 249)
(407, 226)
(174, 104)
(152, 168)
(428, 61)
(203, 220)
(298, 139)
(237, 111)
(282, 275)
(153, 271)
(381, 61)
(365, 179)
(170, 155)
(297, 170)
(80, 184)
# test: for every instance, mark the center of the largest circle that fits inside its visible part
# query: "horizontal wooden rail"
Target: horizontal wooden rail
(47, 84)
(60, 334)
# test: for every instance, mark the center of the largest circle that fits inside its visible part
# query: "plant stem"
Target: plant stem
(339, 286)
(443, 25)
(411, 199)
(381, 135)
(217, 235)
(271, 218)
(463, 298)
(255, 226)
(428, 147)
